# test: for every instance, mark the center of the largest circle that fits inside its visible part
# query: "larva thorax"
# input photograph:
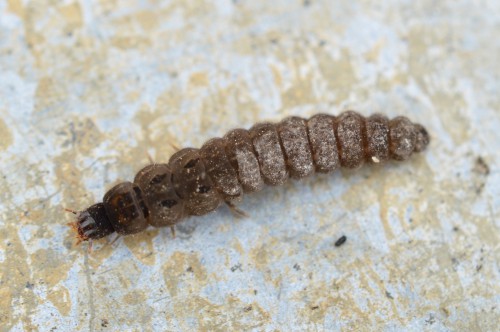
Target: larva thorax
(197, 181)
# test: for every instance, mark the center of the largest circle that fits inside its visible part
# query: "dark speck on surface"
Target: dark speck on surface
(481, 167)
(236, 267)
(340, 241)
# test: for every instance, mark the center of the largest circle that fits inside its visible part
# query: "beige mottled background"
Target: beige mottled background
(89, 88)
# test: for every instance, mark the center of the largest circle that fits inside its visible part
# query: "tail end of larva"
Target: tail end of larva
(423, 138)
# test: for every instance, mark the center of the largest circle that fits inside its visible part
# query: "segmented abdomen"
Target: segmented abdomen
(197, 181)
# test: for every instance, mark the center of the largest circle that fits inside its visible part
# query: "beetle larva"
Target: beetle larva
(197, 181)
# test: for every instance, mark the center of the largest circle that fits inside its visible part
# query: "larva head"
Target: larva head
(92, 223)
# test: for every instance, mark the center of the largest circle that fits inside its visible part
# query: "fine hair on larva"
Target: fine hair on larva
(197, 181)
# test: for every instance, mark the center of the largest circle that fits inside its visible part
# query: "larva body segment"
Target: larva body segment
(220, 170)
(192, 182)
(323, 143)
(402, 138)
(241, 154)
(350, 130)
(166, 208)
(126, 208)
(296, 147)
(198, 181)
(377, 136)
(269, 151)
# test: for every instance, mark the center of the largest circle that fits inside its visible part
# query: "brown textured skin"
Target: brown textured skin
(197, 181)
(241, 154)
(295, 142)
(323, 143)
(377, 137)
(165, 207)
(350, 130)
(269, 151)
(126, 209)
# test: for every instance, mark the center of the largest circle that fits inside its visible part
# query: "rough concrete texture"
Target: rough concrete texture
(89, 88)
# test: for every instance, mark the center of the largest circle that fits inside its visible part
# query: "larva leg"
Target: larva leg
(175, 147)
(236, 211)
(111, 241)
(150, 158)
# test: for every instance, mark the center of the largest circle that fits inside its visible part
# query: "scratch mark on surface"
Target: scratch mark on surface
(160, 299)
(91, 291)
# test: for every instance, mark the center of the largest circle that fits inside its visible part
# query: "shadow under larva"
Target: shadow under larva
(197, 181)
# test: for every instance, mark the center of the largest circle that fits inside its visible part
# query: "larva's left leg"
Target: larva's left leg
(238, 213)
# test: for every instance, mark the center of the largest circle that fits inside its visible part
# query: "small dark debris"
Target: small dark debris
(322, 43)
(296, 267)
(479, 267)
(456, 229)
(29, 285)
(389, 295)
(480, 188)
(248, 308)
(189, 269)
(274, 41)
(431, 319)
(481, 167)
(340, 241)
(315, 307)
(307, 3)
(236, 267)
(104, 322)
(254, 292)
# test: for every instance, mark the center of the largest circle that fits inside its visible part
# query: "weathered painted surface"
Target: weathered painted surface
(89, 88)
